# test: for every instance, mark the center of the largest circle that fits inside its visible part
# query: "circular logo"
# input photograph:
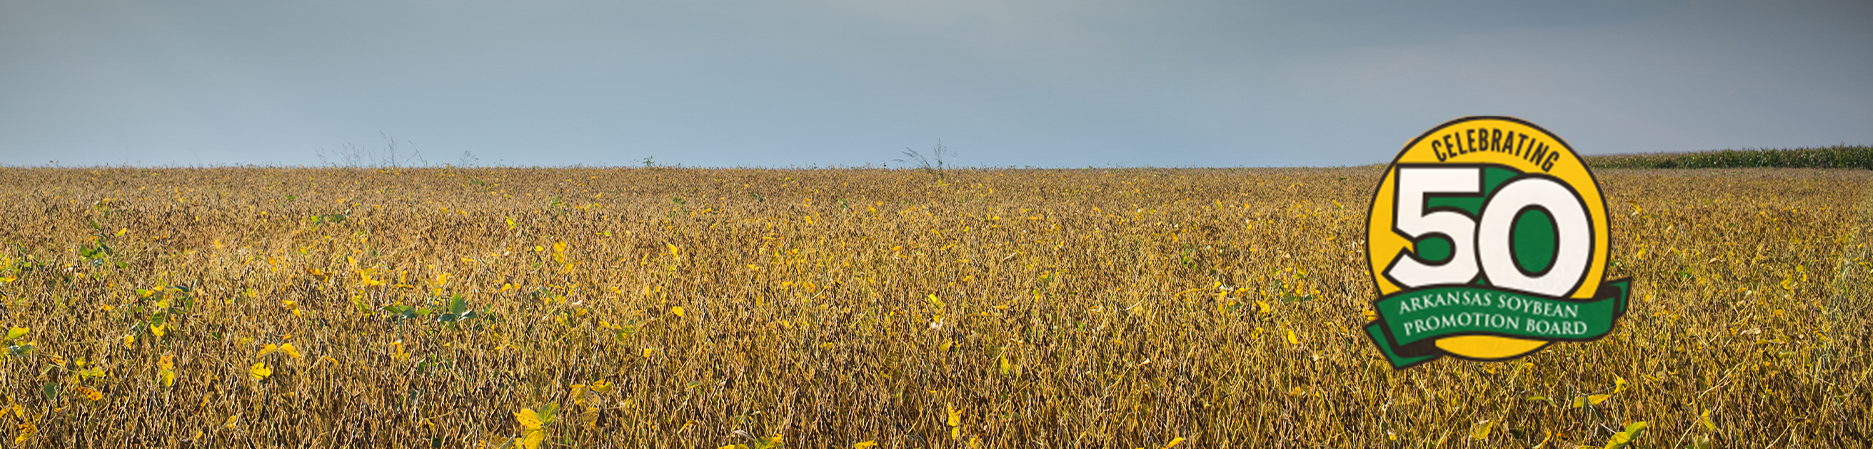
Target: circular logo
(1487, 238)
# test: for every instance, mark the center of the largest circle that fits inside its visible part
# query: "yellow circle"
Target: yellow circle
(1503, 141)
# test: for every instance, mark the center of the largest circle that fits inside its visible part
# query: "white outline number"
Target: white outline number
(1489, 240)
(1408, 217)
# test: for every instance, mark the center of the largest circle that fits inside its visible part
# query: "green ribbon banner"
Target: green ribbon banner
(1410, 322)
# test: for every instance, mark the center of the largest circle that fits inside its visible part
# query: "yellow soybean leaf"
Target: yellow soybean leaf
(1621, 439)
(159, 330)
(529, 419)
(1596, 399)
(1704, 418)
(168, 361)
(232, 420)
(17, 332)
(166, 376)
(601, 386)
(1291, 339)
(864, 444)
(259, 371)
(677, 310)
(533, 439)
(1481, 432)
(91, 394)
(1619, 384)
(290, 351)
(1174, 442)
(955, 416)
(268, 350)
(26, 432)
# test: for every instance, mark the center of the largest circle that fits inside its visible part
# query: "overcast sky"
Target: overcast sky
(1065, 83)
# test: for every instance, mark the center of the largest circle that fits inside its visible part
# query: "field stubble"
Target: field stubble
(827, 308)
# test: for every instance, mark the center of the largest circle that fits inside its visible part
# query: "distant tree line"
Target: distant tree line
(1837, 156)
